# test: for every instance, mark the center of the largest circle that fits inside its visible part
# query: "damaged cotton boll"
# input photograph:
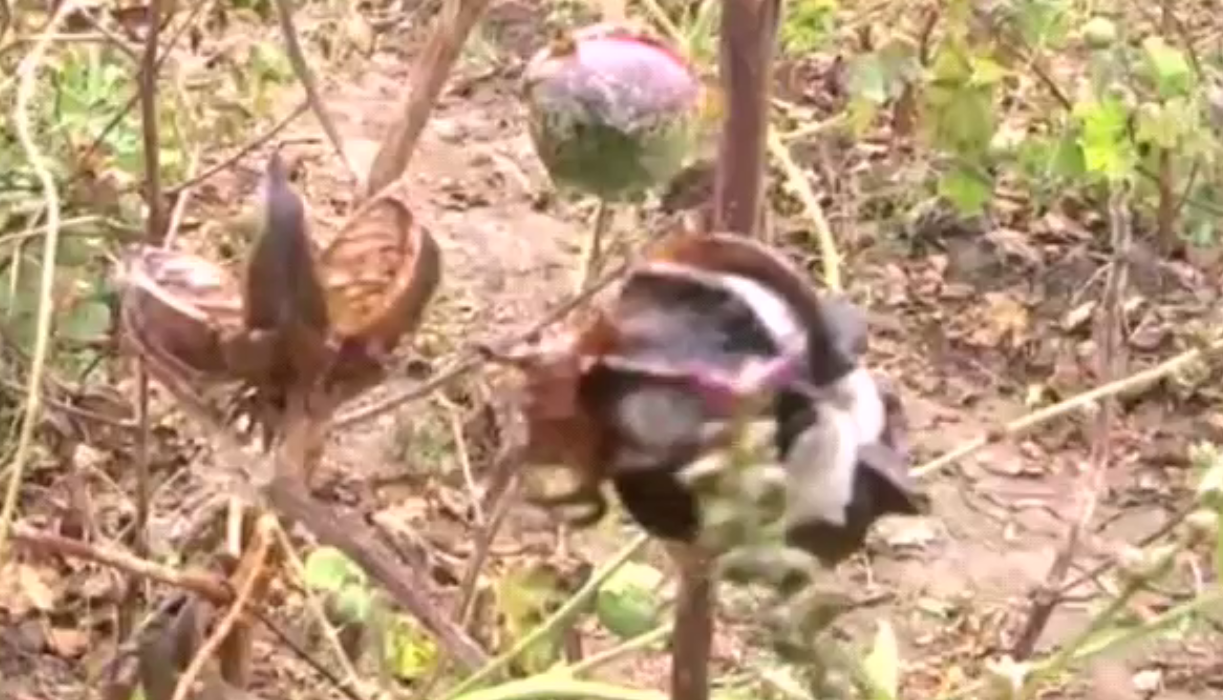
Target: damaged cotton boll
(655, 379)
(846, 466)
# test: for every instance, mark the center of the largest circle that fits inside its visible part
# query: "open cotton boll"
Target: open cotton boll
(845, 470)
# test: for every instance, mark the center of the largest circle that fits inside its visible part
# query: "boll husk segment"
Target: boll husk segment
(180, 313)
(187, 316)
(612, 111)
(179, 309)
(379, 274)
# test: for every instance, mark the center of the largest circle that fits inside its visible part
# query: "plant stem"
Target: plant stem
(1019, 426)
(1104, 643)
(553, 687)
(747, 35)
(641, 641)
(27, 75)
(693, 643)
(592, 250)
(558, 619)
(830, 258)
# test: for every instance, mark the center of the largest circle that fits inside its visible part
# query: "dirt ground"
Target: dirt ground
(966, 321)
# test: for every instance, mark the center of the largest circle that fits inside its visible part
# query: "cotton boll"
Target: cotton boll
(845, 470)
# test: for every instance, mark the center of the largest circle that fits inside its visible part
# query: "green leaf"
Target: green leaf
(860, 114)
(354, 602)
(985, 71)
(1210, 486)
(967, 191)
(270, 62)
(410, 654)
(1200, 232)
(882, 664)
(1166, 125)
(1167, 66)
(524, 597)
(1042, 21)
(87, 319)
(807, 25)
(328, 569)
(1068, 160)
(959, 102)
(627, 603)
(867, 79)
(1107, 150)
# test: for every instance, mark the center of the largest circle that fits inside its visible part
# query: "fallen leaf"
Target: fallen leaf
(1004, 320)
(67, 642)
(1079, 316)
(1015, 245)
(908, 533)
(35, 587)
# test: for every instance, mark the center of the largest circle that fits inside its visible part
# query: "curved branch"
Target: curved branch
(297, 58)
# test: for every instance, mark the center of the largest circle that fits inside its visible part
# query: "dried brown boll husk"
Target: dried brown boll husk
(379, 274)
(180, 313)
(185, 315)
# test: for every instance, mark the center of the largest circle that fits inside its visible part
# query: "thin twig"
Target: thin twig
(297, 58)
(476, 357)
(211, 587)
(154, 232)
(1111, 358)
(244, 150)
(132, 100)
(181, 199)
(463, 454)
(112, 39)
(592, 249)
(27, 72)
(554, 622)
(1163, 530)
(302, 653)
(468, 586)
(255, 572)
(316, 609)
(830, 257)
(644, 640)
(289, 497)
(429, 74)
(1020, 426)
(484, 545)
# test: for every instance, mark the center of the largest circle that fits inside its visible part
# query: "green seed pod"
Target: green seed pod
(1202, 525)
(613, 112)
(1100, 33)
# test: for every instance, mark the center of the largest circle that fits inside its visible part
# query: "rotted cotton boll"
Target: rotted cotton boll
(656, 421)
(844, 474)
(655, 379)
